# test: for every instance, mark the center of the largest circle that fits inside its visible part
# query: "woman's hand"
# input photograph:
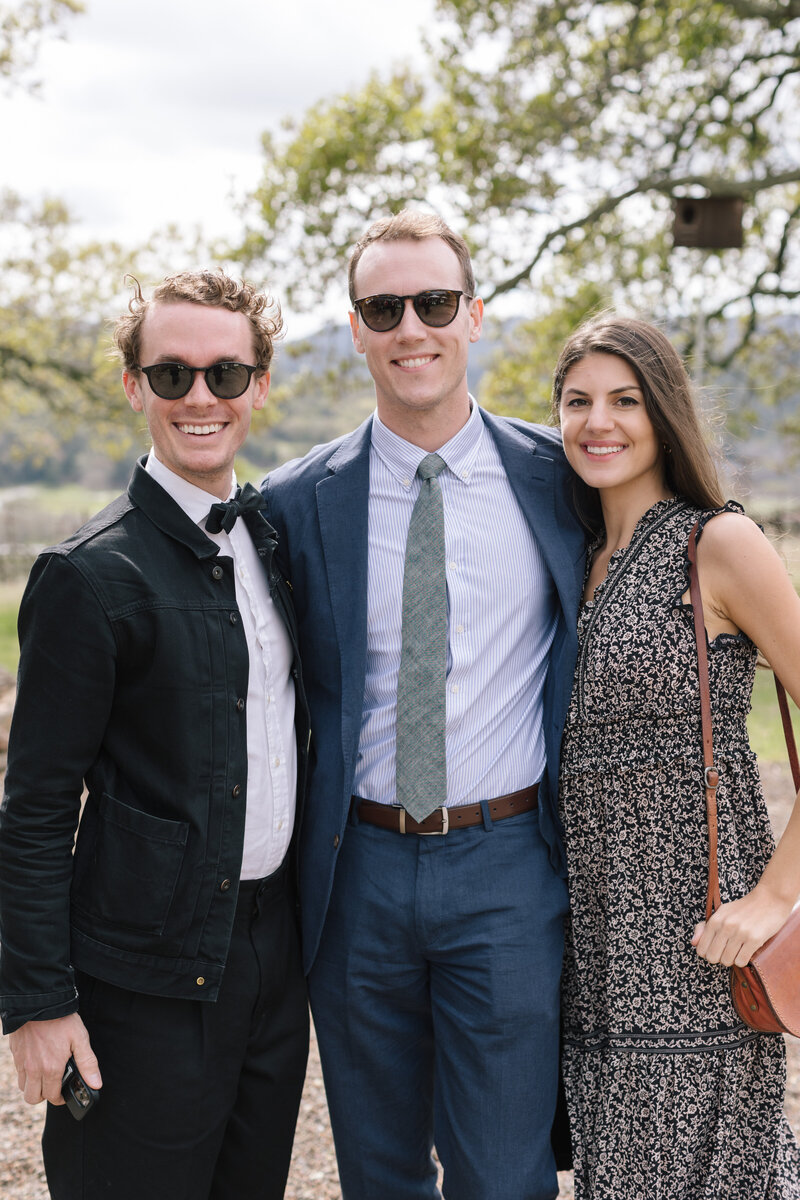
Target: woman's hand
(735, 931)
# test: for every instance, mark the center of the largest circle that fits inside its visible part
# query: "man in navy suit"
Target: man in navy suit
(433, 944)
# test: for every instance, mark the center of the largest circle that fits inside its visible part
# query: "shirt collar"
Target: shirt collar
(193, 500)
(402, 458)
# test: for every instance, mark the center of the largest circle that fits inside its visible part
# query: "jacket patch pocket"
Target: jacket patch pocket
(135, 862)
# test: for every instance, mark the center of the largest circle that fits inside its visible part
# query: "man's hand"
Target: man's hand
(41, 1050)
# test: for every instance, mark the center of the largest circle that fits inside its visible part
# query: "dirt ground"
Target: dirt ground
(313, 1175)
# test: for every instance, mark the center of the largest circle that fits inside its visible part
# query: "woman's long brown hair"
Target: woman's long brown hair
(689, 469)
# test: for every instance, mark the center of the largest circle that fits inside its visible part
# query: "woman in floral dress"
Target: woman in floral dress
(670, 1096)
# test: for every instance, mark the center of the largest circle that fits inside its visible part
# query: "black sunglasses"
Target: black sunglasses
(226, 380)
(436, 307)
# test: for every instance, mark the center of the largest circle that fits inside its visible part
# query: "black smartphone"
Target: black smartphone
(79, 1097)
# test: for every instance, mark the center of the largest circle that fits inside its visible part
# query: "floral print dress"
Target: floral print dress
(670, 1096)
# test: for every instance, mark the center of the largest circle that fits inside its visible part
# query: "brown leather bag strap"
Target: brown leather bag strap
(788, 733)
(710, 773)
(713, 899)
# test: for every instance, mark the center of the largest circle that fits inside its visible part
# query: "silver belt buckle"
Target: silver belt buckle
(436, 832)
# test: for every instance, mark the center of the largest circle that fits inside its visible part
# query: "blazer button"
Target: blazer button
(236, 791)
(240, 705)
(336, 842)
(217, 571)
(225, 886)
(200, 981)
(234, 618)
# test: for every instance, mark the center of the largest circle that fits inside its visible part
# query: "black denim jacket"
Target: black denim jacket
(132, 681)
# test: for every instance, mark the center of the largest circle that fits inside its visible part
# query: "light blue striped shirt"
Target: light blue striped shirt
(501, 619)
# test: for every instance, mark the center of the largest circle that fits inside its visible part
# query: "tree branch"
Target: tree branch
(657, 182)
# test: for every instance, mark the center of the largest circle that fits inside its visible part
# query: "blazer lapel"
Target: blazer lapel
(343, 510)
(539, 480)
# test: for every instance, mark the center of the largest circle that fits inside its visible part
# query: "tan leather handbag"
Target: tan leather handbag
(766, 993)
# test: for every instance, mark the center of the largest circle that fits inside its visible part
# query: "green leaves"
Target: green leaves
(554, 135)
(347, 157)
(22, 27)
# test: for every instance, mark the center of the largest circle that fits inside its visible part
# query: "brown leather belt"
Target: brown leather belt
(444, 820)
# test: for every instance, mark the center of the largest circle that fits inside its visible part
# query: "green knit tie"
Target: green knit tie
(421, 686)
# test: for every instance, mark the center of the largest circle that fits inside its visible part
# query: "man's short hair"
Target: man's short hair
(412, 226)
(214, 289)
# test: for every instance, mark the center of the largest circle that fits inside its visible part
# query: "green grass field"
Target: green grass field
(10, 595)
(72, 498)
(766, 731)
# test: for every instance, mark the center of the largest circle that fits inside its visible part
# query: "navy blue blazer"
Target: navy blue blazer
(319, 507)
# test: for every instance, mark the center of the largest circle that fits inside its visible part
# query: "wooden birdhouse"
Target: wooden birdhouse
(710, 223)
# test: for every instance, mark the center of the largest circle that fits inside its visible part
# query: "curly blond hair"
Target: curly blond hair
(212, 288)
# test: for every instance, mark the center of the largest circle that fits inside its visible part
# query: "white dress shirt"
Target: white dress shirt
(271, 747)
(501, 619)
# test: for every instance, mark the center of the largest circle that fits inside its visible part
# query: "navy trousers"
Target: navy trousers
(199, 1100)
(435, 1001)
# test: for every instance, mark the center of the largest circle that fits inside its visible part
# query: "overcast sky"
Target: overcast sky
(151, 111)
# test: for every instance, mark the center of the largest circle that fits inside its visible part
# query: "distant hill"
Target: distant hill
(321, 389)
(325, 390)
(333, 344)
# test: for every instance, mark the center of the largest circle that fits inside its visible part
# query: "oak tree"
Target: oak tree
(556, 136)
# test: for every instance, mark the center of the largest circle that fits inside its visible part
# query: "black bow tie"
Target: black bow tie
(224, 514)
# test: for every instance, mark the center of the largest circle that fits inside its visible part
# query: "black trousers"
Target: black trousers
(199, 1100)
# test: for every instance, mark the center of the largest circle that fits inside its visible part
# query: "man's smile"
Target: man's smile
(200, 430)
(410, 363)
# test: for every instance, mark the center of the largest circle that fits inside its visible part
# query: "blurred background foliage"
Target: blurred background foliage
(554, 134)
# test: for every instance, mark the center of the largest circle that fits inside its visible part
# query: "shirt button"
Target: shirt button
(236, 791)
(217, 572)
(459, 628)
(240, 705)
(225, 886)
(454, 688)
(200, 980)
(276, 762)
(280, 824)
(453, 565)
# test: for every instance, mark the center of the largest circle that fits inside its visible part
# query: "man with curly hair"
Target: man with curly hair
(159, 674)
